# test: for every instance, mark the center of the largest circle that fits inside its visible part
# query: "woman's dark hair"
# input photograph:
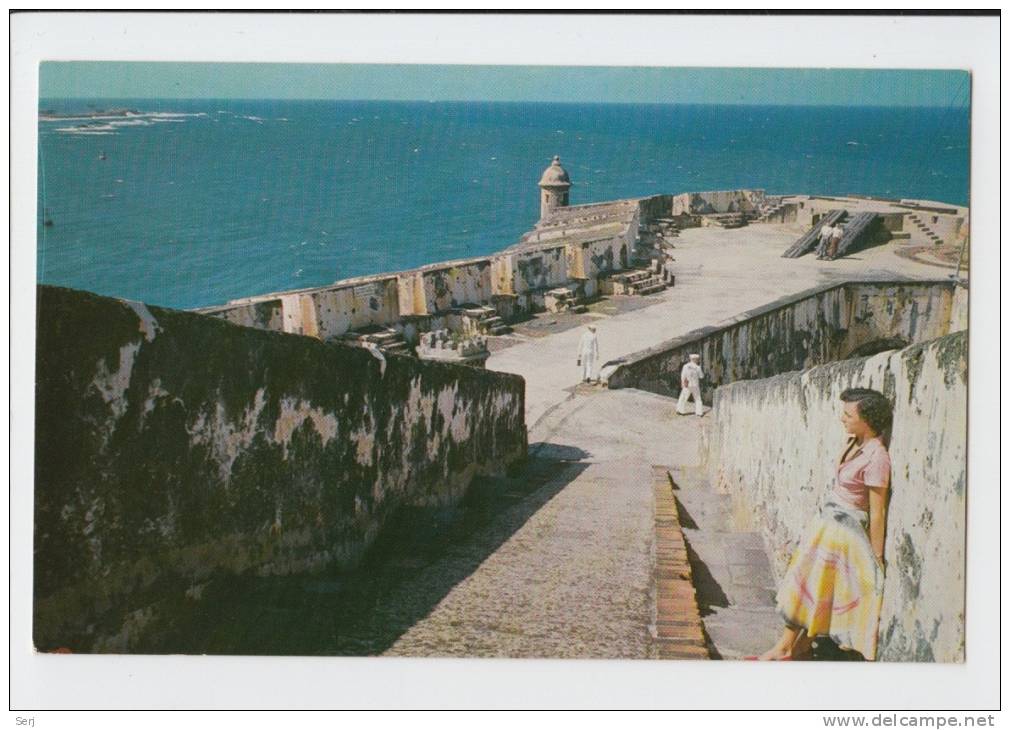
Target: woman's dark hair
(873, 408)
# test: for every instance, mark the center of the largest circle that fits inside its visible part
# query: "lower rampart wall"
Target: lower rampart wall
(512, 281)
(798, 332)
(172, 449)
(771, 444)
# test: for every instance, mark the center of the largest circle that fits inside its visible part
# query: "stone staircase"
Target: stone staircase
(638, 283)
(924, 229)
(484, 321)
(677, 630)
(725, 220)
(658, 230)
(732, 576)
(387, 340)
(770, 209)
(562, 299)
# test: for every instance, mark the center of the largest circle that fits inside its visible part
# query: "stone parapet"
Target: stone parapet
(174, 449)
(797, 332)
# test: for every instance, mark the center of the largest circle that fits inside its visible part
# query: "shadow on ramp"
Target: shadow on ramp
(420, 555)
(708, 592)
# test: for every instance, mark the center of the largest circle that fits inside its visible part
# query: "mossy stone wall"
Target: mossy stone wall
(173, 447)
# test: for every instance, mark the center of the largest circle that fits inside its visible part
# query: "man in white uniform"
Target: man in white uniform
(589, 353)
(690, 386)
(826, 233)
(836, 238)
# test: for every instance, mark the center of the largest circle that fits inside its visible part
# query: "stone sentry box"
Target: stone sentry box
(173, 449)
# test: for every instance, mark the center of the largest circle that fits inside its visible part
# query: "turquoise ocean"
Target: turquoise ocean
(193, 203)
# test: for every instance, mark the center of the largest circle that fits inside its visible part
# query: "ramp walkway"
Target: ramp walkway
(857, 230)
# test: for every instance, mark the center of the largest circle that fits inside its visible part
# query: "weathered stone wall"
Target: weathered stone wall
(718, 201)
(322, 312)
(583, 243)
(592, 259)
(173, 448)
(772, 442)
(541, 267)
(332, 312)
(959, 309)
(655, 206)
(441, 287)
(263, 314)
(797, 332)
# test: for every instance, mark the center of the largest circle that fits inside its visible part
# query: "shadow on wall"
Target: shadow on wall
(174, 450)
(420, 556)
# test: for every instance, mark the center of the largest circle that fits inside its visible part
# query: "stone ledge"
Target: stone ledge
(677, 632)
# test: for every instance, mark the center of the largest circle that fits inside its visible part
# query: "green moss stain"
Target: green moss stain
(912, 361)
(190, 480)
(952, 357)
(909, 565)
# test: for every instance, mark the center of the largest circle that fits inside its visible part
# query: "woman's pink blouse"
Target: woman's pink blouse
(868, 468)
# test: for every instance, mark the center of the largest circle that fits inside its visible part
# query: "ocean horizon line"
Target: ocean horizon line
(321, 100)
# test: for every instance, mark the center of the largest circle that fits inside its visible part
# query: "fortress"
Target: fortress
(575, 253)
(193, 468)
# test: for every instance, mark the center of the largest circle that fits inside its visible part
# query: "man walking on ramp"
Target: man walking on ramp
(589, 353)
(690, 386)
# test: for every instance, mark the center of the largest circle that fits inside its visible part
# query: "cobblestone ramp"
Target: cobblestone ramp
(577, 578)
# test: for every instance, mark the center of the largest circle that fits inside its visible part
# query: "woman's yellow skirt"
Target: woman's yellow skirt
(834, 586)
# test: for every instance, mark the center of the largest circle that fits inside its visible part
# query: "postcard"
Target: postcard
(489, 361)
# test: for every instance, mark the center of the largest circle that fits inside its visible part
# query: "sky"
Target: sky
(816, 87)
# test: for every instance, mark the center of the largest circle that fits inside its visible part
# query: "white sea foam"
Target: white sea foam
(103, 130)
(131, 123)
(106, 124)
(171, 115)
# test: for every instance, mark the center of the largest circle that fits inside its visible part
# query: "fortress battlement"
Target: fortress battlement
(579, 247)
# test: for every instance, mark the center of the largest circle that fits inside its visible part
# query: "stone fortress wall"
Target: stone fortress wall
(801, 331)
(573, 246)
(771, 444)
(585, 243)
(295, 461)
(174, 449)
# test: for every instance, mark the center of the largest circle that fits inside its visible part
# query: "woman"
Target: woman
(835, 581)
